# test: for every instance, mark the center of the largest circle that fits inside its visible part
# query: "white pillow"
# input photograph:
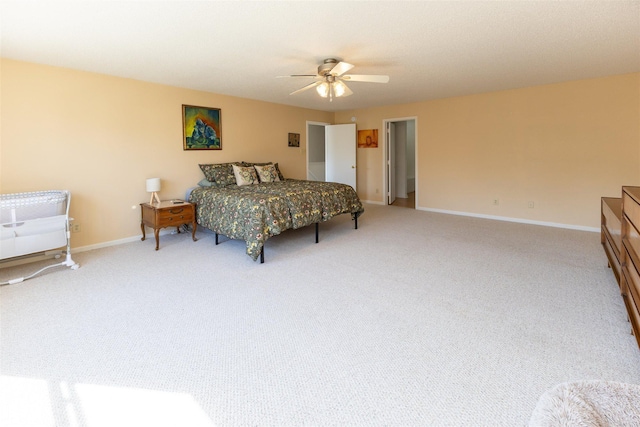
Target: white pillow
(267, 173)
(245, 175)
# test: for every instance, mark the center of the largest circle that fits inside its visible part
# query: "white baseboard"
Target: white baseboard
(149, 236)
(518, 220)
(106, 244)
(373, 202)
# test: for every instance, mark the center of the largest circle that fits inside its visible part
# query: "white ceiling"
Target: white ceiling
(430, 49)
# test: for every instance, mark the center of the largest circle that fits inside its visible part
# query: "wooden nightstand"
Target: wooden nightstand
(167, 214)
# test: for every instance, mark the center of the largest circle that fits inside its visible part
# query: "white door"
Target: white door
(391, 162)
(340, 154)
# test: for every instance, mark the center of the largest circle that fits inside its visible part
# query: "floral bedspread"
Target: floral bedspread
(256, 212)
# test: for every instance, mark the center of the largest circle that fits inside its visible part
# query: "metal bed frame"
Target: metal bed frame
(355, 218)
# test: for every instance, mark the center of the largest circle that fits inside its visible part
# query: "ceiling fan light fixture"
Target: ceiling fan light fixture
(323, 89)
(339, 88)
(329, 80)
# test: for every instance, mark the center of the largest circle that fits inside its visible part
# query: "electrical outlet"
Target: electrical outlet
(530, 204)
(496, 202)
(75, 228)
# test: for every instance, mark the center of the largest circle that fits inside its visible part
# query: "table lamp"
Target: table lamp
(153, 186)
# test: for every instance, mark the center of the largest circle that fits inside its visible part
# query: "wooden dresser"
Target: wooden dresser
(630, 256)
(611, 232)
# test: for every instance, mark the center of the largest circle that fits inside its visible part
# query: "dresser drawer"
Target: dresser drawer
(630, 207)
(175, 216)
(632, 309)
(632, 277)
(612, 221)
(631, 239)
(612, 256)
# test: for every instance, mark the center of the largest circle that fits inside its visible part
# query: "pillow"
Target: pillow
(224, 176)
(245, 175)
(279, 173)
(267, 173)
(207, 170)
(204, 182)
(219, 173)
(267, 163)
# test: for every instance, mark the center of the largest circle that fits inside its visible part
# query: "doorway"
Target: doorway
(331, 153)
(316, 151)
(400, 162)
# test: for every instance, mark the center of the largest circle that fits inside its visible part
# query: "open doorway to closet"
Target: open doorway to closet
(331, 153)
(400, 162)
(316, 151)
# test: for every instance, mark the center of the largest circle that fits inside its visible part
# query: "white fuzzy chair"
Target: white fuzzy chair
(588, 403)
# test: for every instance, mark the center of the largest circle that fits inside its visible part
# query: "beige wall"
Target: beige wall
(100, 137)
(561, 146)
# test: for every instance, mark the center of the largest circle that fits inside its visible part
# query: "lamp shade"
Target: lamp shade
(153, 184)
(323, 89)
(339, 88)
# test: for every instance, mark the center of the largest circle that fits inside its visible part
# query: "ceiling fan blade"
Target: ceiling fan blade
(309, 86)
(341, 68)
(297, 75)
(366, 78)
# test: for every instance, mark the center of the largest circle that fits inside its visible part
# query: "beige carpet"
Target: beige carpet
(414, 319)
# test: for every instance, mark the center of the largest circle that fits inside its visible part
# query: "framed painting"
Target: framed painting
(368, 138)
(201, 128)
(294, 140)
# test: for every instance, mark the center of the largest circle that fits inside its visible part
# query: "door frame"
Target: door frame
(385, 157)
(390, 189)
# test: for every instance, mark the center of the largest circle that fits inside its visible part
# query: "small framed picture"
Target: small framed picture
(201, 128)
(294, 140)
(368, 138)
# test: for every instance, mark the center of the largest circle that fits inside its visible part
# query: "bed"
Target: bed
(266, 207)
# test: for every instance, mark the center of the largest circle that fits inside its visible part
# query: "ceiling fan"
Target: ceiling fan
(331, 78)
